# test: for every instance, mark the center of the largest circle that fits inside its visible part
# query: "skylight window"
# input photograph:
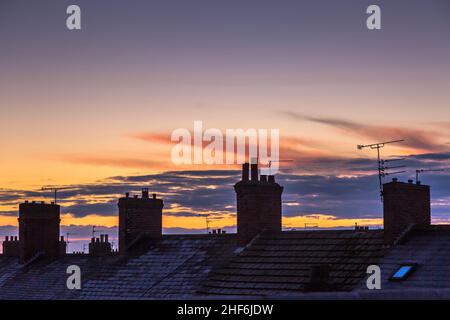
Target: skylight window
(403, 272)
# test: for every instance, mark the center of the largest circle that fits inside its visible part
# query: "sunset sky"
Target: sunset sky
(94, 109)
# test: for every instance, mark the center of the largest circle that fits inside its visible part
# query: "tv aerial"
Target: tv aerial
(419, 171)
(382, 168)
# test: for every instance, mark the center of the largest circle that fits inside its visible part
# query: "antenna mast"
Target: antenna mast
(55, 190)
(418, 171)
(381, 167)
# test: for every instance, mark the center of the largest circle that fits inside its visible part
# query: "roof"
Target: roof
(281, 263)
(430, 249)
(172, 268)
(273, 265)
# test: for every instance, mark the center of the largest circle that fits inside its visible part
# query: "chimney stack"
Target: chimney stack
(11, 247)
(139, 218)
(254, 171)
(100, 247)
(258, 205)
(245, 169)
(405, 205)
(38, 230)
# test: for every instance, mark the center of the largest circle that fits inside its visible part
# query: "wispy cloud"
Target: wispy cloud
(420, 140)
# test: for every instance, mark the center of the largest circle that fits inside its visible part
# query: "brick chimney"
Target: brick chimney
(11, 247)
(38, 230)
(100, 247)
(139, 218)
(258, 204)
(406, 205)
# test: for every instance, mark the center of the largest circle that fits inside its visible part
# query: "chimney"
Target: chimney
(254, 171)
(100, 247)
(245, 169)
(405, 205)
(271, 179)
(258, 207)
(62, 246)
(144, 193)
(139, 219)
(11, 247)
(263, 178)
(38, 230)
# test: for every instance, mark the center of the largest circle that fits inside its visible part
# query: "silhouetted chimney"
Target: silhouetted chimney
(144, 193)
(62, 245)
(100, 247)
(258, 207)
(263, 178)
(405, 205)
(245, 169)
(271, 179)
(254, 171)
(11, 247)
(139, 219)
(38, 230)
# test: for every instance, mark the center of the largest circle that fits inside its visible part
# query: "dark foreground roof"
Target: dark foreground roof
(281, 263)
(430, 250)
(175, 267)
(272, 266)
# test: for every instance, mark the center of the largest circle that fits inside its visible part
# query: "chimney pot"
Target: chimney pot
(127, 195)
(144, 193)
(245, 169)
(263, 178)
(254, 171)
(6, 238)
(154, 196)
(410, 181)
(271, 179)
(394, 180)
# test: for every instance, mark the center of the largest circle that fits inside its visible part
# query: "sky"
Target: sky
(94, 109)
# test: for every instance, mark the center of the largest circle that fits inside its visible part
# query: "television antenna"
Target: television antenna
(418, 171)
(381, 167)
(207, 223)
(55, 190)
(67, 241)
(277, 161)
(94, 231)
(311, 225)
